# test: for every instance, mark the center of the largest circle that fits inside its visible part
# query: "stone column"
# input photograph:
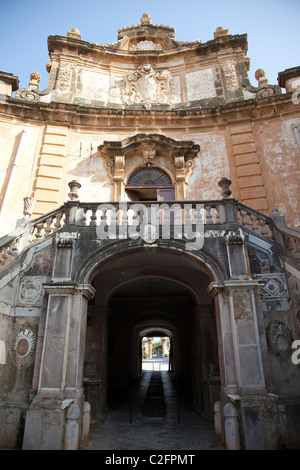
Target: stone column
(61, 372)
(100, 323)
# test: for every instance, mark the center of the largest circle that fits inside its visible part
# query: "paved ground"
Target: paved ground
(152, 433)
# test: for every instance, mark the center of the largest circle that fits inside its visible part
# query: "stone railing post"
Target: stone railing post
(218, 422)
(86, 424)
(232, 434)
(71, 440)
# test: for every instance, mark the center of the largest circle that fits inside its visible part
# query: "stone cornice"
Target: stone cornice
(57, 44)
(176, 117)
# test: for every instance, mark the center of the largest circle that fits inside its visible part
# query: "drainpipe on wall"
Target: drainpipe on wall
(296, 132)
(10, 181)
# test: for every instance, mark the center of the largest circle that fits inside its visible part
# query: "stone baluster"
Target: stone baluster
(217, 214)
(39, 228)
(93, 220)
(114, 216)
(187, 214)
(245, 221)
(103, 218)
(255, 227)
(209, 219)
(264, 230)
(58, 221)
(84, 216)
(48, 229)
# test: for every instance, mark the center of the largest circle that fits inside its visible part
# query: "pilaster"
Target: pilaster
(60, 384)
(248, 169)
(257, 409)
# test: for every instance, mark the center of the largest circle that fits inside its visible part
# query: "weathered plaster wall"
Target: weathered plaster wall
(280, 166)
(16, 172)
(211, 165)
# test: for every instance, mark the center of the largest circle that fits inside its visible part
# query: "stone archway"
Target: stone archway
(177, 301)
(114, 264)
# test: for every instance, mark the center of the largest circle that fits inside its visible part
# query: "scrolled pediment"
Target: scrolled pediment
(158, 143)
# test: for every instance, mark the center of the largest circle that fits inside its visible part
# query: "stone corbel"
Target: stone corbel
(119, 168)
(184, 169)
(118, 178)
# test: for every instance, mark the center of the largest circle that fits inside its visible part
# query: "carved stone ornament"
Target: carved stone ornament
(27, 95)
(29, 203)
(224, 184)
(74, 186)
(147, 86)
(30, 292)
(234, 237)
(23, 349)
(146, 46)
(65, 77)
(274, 292)
(280, 339)
(230, 75)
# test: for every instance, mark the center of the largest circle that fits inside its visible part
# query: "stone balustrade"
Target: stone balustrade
(174, 216)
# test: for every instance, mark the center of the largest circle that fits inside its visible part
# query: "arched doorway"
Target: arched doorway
(151, 292)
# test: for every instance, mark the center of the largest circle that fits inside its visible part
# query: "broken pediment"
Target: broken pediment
(150, 145)
(149, 151)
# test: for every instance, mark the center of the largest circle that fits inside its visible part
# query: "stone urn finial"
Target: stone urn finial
(224, 183)
(36, 77)
(74, 187)
(260, 76)
(146, 19)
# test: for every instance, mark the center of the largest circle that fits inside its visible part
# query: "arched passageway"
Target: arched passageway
(151, 294)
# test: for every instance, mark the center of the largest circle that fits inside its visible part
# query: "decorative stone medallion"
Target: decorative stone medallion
(279, 339)
(23, 349)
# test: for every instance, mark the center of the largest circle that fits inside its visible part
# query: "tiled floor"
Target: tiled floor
(180, 428)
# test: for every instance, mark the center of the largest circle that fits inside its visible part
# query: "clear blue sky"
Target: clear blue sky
(272, 27)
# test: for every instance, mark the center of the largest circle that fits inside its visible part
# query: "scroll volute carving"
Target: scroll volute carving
(119, 168)
(184, 168)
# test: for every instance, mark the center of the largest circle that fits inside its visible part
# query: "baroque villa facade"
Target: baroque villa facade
(150, 190)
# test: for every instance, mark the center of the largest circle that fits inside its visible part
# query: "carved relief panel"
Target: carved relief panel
(147, 85)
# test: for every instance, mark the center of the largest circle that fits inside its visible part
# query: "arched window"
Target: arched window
(149, 176)
(150, 184)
